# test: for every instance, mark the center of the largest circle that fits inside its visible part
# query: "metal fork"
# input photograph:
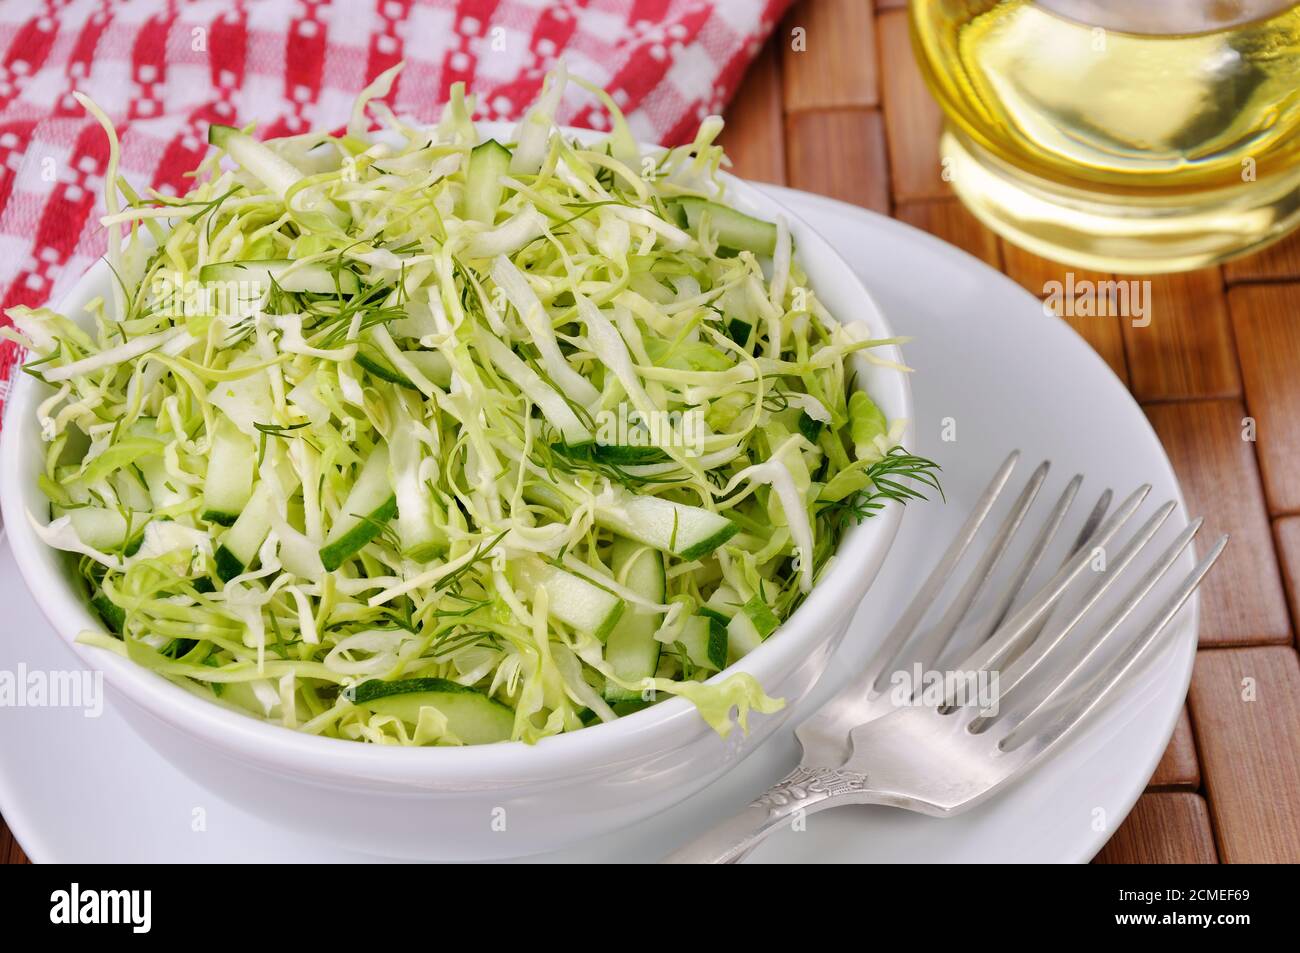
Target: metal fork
(871, 744)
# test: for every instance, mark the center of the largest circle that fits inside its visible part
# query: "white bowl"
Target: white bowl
(482, 802)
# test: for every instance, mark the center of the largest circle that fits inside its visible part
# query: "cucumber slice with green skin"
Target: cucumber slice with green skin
(228, 484)
(432, 364)
(629, 708)
(376, 365)
(131, 490)
(618, 456)
(709, 612)
(272, 170)
(420, 517)
(687, 532)
(739, 331)
(719, 641)
(613, 453)
(811, 429)
(333, 555)
(241, 542)
(731, 228)
(114, 616)
(764, 619)
(724, 603)
(742, 637)
(489, 163)
(162, 491)
(579, 604)
(100, 527)
(370, 504)
(630, 456)
(313, 277)
(631, 649)
(152, 466)
(705, 641)
(472, 716)
(544, 495)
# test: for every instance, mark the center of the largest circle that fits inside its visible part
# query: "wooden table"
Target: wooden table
(850, 117)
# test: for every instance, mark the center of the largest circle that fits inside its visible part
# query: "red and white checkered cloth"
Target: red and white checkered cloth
(164, 69)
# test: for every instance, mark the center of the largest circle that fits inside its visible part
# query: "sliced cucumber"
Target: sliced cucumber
(241, 542)
(377, 365)
(733, 229)
(740, 331)
(579, 604)
(631, 455)
(432, 364)
(724, 603)
(130, 488)
(742, 637)
(229, 481)
(631, 649)
(747, 623)
(619, 455)
(101, 527)
(472, 716)
(544, 495)
(709, 612)
(705, 641)
(764, 619)
(313, 277)
(114, 616)
(811, 429)
(420, 517)
(162, 491)
(370, 504)
(687, 532)
(489, 163)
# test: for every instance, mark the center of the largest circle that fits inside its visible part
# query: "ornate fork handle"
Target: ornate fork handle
(802, 791)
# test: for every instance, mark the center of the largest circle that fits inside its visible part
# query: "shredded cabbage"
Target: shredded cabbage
(329, 430)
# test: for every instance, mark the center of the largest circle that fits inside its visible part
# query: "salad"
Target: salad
(414, 438)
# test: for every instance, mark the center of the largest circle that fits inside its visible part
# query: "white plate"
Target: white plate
(80, 789)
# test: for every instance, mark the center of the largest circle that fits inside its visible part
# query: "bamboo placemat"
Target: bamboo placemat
(835, 105)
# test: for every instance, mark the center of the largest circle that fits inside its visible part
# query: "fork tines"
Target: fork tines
(1052, 666)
